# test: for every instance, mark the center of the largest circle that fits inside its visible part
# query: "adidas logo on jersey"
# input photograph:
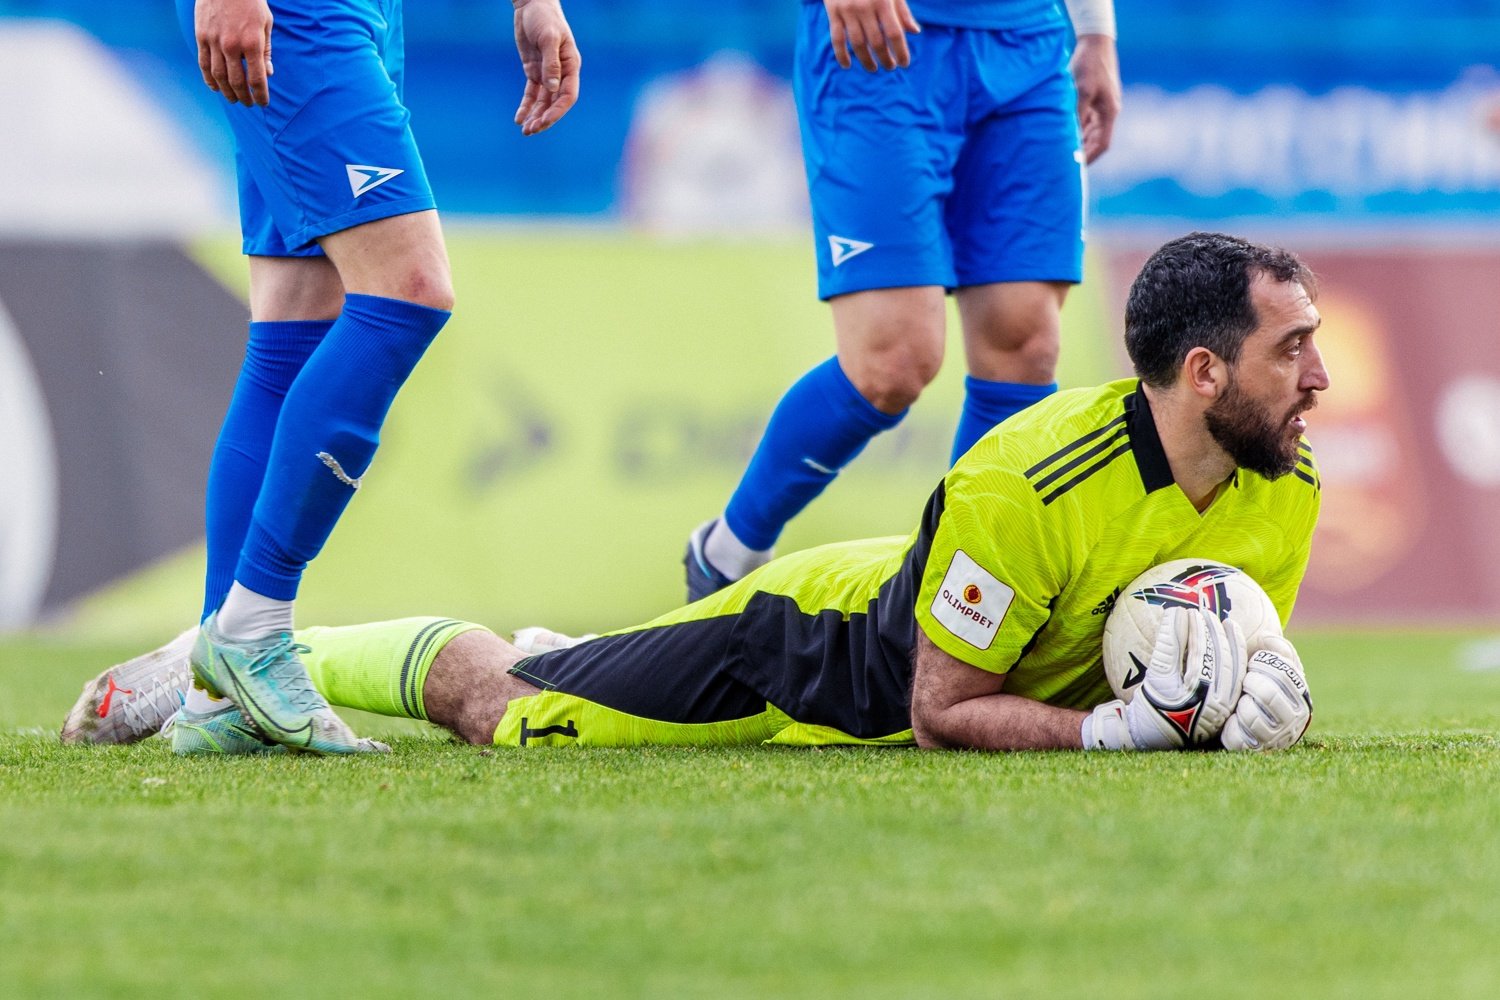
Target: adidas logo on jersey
(1107, 605)
(363, 178)
(844, 248)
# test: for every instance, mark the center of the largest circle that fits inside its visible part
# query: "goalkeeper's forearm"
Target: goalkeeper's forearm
(997, 722)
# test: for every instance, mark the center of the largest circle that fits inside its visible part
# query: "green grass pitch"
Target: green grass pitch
(1365, 863)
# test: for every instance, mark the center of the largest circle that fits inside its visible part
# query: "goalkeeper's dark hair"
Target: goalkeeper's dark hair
(1195, 292)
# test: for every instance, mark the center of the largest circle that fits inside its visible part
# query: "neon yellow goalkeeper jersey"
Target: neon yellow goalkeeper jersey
(1035, 532)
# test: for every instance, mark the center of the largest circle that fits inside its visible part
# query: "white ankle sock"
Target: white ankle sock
(201, 702)
(729, 555)
(248, 615)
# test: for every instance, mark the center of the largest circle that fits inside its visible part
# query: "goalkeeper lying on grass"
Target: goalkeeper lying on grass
(980, 630)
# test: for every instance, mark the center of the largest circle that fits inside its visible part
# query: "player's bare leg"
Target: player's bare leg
(468, 687)
(1012, 337)
(401, 257)
(286, 289)
(1013, 329)
(890, 342)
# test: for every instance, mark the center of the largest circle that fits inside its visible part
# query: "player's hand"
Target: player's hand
(875, 30)
(551, 60)
(1275, 708)
(1192, 685)
(1096, 74)
(234, 49)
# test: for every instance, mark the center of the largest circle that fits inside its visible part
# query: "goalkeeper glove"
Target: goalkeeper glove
(1275, 708)
(1192, 686)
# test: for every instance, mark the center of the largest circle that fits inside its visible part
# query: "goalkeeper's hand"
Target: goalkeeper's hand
(1275, 708)
(1192, 686)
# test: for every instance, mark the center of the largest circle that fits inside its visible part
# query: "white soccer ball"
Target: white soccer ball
(1130, 629)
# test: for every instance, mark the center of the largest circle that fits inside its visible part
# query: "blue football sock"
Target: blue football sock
(818, 427)
(987, 403)
(274, 354)
(327, 435)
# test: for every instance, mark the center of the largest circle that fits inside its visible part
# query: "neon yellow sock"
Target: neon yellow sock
(379, 667)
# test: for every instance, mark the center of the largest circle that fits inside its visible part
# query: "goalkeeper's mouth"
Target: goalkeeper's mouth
(1294, 419)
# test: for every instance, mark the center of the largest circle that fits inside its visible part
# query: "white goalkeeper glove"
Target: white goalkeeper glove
(1192, 686)
(1275, 708)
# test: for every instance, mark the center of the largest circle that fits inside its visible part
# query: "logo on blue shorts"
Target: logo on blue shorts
(844, 248)
(363, 178)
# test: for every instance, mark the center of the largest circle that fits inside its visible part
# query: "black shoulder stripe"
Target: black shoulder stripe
(1077, 460)
(1080, 442)
(1123, 449)
(1309, 480)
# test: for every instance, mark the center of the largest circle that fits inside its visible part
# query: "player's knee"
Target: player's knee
(1024, 347)
(892, 378)
(1036, 353)
(427, 284)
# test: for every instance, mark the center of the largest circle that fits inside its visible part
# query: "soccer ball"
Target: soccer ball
(1130, 629)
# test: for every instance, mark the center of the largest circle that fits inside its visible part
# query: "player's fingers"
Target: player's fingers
(206, 65)
(549, 44)
(561, 102)
(838, 37)
(895, 40)
(879, 41)
(219, 70)
(528, 101)
(239, 86)
(860, 43)
(908, 21)
(255, 79)
(255, 76)
(1097, 135)
(541, 115)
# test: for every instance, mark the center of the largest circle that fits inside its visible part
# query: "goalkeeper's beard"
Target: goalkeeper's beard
(1251, 436)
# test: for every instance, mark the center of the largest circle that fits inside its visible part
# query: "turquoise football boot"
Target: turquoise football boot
(223, 732)
(267, 679)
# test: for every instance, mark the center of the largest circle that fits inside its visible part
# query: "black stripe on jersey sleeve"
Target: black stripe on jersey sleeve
(1077, 460)
(1122, 449)
(1072, 445)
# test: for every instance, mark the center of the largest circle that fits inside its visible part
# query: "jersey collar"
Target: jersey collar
(1145, 442)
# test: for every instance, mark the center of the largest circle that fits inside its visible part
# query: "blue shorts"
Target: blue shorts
(334, 148)
(963, 169)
